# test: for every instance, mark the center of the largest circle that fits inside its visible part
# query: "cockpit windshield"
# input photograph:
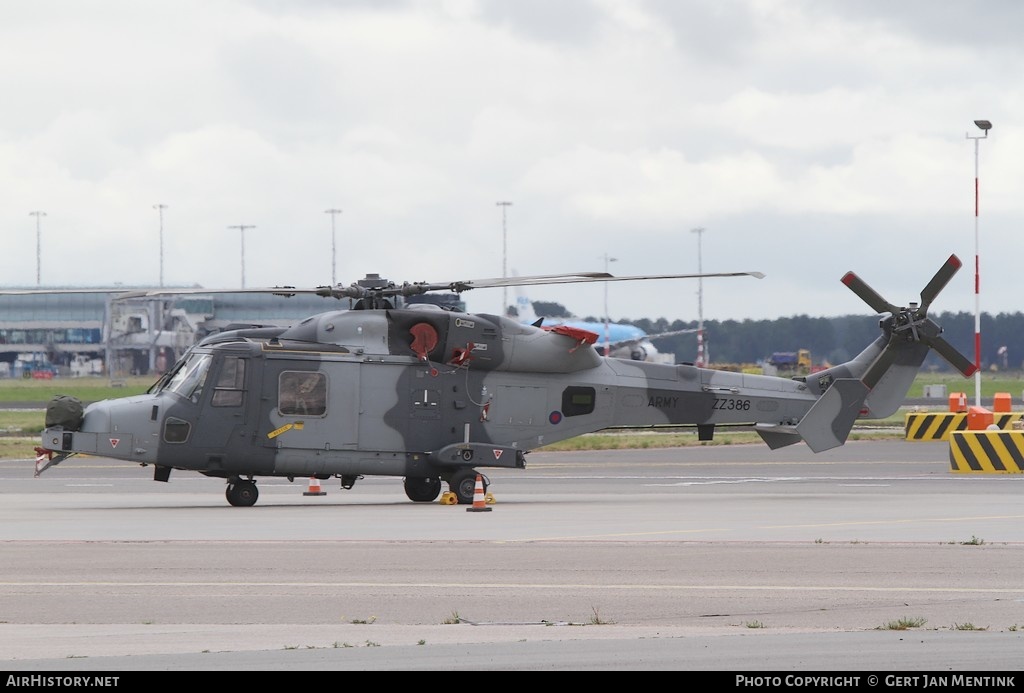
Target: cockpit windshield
(188, 380)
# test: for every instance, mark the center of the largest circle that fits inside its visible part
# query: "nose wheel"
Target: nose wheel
(242, 493)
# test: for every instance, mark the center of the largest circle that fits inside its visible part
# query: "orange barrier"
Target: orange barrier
(1001, 402)
(957, 402)
(979, 419)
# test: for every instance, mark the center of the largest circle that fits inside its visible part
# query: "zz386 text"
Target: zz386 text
(731, 404)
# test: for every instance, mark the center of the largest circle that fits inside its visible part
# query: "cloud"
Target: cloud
(808, 138)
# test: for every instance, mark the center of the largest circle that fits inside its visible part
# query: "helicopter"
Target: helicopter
(432, 394)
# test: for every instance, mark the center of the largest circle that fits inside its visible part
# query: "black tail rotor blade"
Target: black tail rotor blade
(954, 357)
(939, 281)
(867, 294)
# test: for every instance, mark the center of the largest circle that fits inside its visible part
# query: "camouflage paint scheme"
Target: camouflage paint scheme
(430, 394)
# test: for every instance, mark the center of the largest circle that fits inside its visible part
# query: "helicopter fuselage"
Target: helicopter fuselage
(428, 394)
(407, 393)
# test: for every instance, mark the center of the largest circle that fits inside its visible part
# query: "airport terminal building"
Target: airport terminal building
(77, 332)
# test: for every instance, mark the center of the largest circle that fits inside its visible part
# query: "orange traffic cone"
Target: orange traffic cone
(479, 502)
(314, 488)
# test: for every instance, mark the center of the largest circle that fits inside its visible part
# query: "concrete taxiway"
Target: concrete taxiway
(715, 557)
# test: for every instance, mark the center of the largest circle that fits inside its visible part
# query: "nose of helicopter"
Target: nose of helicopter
(130, 420)
(125, 428)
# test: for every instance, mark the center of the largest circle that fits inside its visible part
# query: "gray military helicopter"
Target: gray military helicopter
(431, 395)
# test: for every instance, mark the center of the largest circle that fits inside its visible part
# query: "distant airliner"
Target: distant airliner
(613, 338)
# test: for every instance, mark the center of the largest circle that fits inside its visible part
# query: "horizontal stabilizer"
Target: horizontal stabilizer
(830, 420)
(778, 436)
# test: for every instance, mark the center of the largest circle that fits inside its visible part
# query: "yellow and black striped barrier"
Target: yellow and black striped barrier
(986, 452)
(939, 425)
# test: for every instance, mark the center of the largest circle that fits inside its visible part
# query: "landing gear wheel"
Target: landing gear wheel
(242, 493)
(422, 489)
(463, 485)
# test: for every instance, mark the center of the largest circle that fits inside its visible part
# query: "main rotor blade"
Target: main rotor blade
(954, 357)
(648, 337)
(580, 278)
(660, 335)
(868, 295)
(57, 292)
(642, 277)
(938, 282)
(286, 291)
(120, 293)
(385, 288)
(495, 282)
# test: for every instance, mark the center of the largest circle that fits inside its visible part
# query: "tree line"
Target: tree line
(838, 339)
(830, 340)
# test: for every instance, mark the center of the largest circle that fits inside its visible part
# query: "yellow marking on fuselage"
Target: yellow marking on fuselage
(297, 425)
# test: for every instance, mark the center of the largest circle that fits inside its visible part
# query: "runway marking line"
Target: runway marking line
(897, 522)
(509, 585)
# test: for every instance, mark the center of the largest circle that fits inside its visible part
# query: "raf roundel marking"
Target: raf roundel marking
(555, 417)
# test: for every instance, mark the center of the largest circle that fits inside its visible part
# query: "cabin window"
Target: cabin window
(302, 393)
(577, 400)
(230, 385)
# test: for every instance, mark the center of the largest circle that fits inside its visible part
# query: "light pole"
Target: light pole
(334, 213)
(984, 126)
(242, 229)
(700, 301)
(504, 254)
(607, 333)
(39, 246)
(160, 209)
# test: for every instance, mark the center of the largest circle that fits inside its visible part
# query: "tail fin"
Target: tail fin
(829, 422)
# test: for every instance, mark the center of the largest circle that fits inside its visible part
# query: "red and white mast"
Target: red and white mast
(985, 126)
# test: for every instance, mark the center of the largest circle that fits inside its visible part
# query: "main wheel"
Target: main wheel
(242, 493)
(463, 485)
(422, 489)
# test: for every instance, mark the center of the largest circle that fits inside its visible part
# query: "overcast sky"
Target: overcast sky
(806, 137)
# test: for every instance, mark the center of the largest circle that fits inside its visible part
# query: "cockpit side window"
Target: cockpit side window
(188, 380)
(230, 388)
(302, 393)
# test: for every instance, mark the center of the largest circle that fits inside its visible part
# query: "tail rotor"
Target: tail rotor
(909, 334)
(911, 324)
